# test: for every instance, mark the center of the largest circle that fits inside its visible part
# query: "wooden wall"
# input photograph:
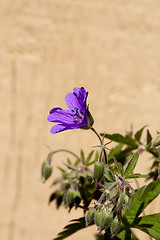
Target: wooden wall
(47, 47)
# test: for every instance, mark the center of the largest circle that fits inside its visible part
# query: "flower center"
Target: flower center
(77, 115)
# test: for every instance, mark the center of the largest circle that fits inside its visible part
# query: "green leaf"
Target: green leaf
(139, 134)
(82, 157)
(70, 166)
(115, 151)
(108, 174)
(119, 167)
(150, 192)
(107, 184)
(137, 175)
(95, 159)
(131, 165)
(124, 234)
(143, 197)
(116, 137)
(70, 229)
(149, 137)
(89, 157)
(96, 156)
(99, 237)
(149, 224)
(125, 153)
(61, 169)
(135, 208)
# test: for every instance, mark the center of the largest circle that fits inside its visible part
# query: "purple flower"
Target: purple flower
(77, 116)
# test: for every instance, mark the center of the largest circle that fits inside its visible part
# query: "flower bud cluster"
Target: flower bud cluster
(104, 218)
(76, 185)
(109, 209)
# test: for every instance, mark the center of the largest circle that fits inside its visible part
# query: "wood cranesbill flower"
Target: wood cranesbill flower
(77, 116)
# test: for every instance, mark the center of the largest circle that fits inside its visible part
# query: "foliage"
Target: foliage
(104, 180)
(107, 184)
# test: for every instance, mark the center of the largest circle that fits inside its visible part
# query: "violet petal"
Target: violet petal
(61, 116)
(59, 128)
(81, 95)
(72, 101)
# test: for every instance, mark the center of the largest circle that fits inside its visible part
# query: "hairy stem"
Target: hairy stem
(102, 145)
(49, 158)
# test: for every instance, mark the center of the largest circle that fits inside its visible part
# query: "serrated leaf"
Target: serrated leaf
(135, 207)
(149, 137)
(116, 137)
(89, 157)
(151, 191)
(137, 175)
(143, 197)
(139, 134)
(131, 165)
(70, 229)
(149, 224)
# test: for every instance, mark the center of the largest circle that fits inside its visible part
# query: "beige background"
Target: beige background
(47, 47)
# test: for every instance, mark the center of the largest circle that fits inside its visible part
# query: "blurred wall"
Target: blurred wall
(48, 47)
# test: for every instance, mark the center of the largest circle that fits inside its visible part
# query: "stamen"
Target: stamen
(77, 115)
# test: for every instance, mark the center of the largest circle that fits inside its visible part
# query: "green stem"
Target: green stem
(49, 158)
(102, 145)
